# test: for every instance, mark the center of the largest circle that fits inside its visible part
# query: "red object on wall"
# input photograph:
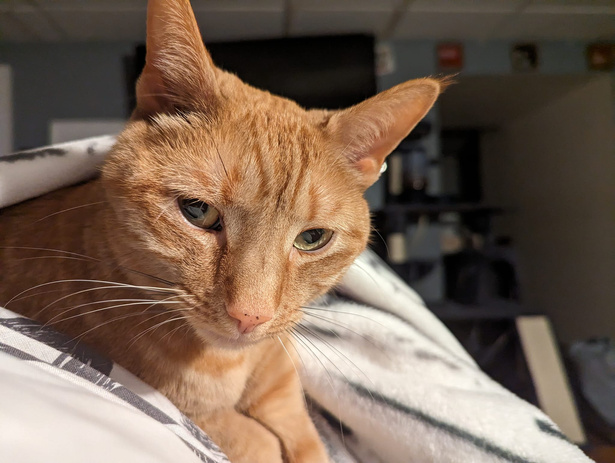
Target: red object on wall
(601, 56)
(450, 56)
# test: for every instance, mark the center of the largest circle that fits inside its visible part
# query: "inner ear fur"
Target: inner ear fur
(369, 131)
(179, 75)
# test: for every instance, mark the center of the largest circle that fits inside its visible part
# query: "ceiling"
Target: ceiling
(488, 102)
(113, 20)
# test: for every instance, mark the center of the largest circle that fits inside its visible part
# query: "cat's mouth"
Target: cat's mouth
(230, 338)
(227, 341)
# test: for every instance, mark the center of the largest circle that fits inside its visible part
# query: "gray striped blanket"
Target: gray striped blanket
(386, 381)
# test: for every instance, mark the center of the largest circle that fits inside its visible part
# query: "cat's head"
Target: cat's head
(245, 200)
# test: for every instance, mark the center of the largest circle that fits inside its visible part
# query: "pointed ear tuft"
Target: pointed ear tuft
(368, 132)
(179, 74)
(446, 81)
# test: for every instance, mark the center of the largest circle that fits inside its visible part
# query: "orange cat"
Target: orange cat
(221, 210)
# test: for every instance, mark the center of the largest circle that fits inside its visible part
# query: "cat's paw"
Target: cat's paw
(312, 451)
(243, 439)
(264, 448)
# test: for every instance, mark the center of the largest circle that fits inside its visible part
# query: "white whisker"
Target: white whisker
(321, 352)
(111, 285)
(70, 209)
(322, 309)
(89, 312)
(295, 368)
(299, 336)
(172, 332)
(122, 317)
(386, 246)
(164, 210)
(98, 288)
(152, 328)
(53, 257)
(92, 259)
(104, 301)
(339, 353)
(37, 294)
(373, 341)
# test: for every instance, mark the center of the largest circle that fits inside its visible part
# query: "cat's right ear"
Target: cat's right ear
(369, 131)
(179, 74)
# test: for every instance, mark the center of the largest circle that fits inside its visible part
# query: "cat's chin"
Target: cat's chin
(239, 341)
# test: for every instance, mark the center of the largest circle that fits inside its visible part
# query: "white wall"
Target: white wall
(64, 81)
(6, 110)
(62, 130)
(555, 170)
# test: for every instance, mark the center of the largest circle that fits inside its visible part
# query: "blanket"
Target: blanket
(386, 381)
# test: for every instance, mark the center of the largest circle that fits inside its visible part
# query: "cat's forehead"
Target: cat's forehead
(278, 160)
(266, 123)
(282, 163)
(275, 122)
(280, 135)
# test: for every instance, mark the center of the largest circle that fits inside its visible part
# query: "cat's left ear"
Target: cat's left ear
(369, 131)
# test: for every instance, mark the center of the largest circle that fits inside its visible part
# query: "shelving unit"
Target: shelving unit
(510, 342)
(433, 210)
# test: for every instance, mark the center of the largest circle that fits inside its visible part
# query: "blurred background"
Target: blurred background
(499, 206)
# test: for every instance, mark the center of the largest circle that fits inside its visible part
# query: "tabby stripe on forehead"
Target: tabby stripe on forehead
(264, 177)
(284, 198)
(299, 168)
(282, 201)
(314, 203)
(300, 181)
(302, 176)
(258, 158)
(306, 160)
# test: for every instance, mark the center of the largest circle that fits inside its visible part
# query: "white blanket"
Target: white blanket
(387, 381)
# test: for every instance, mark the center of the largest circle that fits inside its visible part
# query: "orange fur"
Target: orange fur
(273, 170)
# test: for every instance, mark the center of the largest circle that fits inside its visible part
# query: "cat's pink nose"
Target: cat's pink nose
(247, 320)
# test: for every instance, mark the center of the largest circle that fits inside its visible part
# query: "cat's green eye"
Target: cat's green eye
(200, 214)
(311, 240)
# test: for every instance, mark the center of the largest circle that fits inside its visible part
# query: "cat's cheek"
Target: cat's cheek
(294, 256)
(206, 239)
(203, 243)
(220, 237)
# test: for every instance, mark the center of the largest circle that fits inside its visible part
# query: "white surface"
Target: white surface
(6, 110)
(396, 174)
(55, 420)
(396, 244)
(63, 130)
(549, 376)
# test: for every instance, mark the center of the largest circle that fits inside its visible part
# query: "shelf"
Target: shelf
(434, 209)
(492, 310)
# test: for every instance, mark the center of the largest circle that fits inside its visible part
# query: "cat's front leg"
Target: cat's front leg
(294, 428)
(274, 398)
(243, 439)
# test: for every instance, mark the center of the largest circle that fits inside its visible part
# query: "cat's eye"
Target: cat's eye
(200, 214)
(311, 240)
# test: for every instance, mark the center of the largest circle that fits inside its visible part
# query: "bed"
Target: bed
(384, 379)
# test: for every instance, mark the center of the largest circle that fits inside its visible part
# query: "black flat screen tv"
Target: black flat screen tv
(317, 72)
